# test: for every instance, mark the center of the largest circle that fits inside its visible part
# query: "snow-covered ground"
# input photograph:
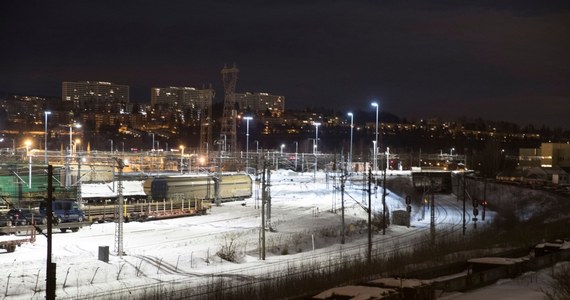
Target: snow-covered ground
(305, 214)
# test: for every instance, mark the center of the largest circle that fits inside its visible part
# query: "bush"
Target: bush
(229, 250)
(559, 285)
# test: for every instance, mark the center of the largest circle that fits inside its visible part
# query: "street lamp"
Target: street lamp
(181, 159)
(282, 146)
(317, 124)
(296, 148)
(350, 152)
(315, 148)
(451, 151)
(374, 104)
(76, 125)
(46, 113)
(111, 145)
(247, 119)
(28, 143)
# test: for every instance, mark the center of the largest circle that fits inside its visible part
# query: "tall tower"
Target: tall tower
(229, 77)
(206, 119)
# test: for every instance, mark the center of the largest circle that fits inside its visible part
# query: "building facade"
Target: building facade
(194, 104)
(95, 96)
(261, 103)
(549, 155)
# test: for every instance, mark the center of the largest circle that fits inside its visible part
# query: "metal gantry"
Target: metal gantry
(229, 78)
(119, 217)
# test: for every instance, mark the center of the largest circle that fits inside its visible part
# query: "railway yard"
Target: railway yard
(181, 253)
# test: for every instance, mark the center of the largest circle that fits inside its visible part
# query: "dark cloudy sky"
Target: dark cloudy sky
(499, 60)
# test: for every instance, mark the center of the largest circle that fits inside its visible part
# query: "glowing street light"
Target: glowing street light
(317, 124)
(350, 152)
(247, 119)
(28, 143)
(375, 104)
(46, 113)
(282, 146)
(315, 148)
(76, 125)
(296, 150)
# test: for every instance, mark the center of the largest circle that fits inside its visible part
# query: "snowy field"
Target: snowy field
(182, 251)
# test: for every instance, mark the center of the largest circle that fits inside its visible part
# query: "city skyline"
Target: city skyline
(503, 61)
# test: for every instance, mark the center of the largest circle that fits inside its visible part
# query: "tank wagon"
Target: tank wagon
(232, 187)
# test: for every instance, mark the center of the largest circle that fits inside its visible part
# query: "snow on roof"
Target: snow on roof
(399, 282)
(562, 245)
(496, 260)
(109, 189)
(356, 292)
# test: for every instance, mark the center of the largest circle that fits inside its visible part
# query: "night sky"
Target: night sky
(499, 60)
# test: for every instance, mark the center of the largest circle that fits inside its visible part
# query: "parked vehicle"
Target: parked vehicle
(33, 216)
(5, 221)
(64, 211)
(17, 217)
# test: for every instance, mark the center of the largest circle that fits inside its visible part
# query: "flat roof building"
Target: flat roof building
(95, 96)
(261, 103)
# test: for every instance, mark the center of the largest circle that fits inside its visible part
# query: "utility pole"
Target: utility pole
(342, 181)
(369, 215)
(384, 225)
(119, 210)
(484, 203)
(78, 182)
(262, 225)
(268, 199)
(464, 196)
(431, 196)
(50, 267)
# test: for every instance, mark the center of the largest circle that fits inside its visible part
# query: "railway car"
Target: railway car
(232, 187)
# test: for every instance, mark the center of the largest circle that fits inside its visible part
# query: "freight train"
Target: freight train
(231, 187)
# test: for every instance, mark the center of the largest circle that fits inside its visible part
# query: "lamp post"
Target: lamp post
(296, 157)
(247, 119)
(350, 151)
(315, 149)
(317, 124)
(68, 167)
(451, 151)
(76, 125)
(28, 143)
(281, 150)
(207, 154)
(256, 146)
(374, 104)
(46, 113)
(181, 159)
(111, 145)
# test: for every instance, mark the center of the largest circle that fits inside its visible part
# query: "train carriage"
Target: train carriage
(232, 187)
